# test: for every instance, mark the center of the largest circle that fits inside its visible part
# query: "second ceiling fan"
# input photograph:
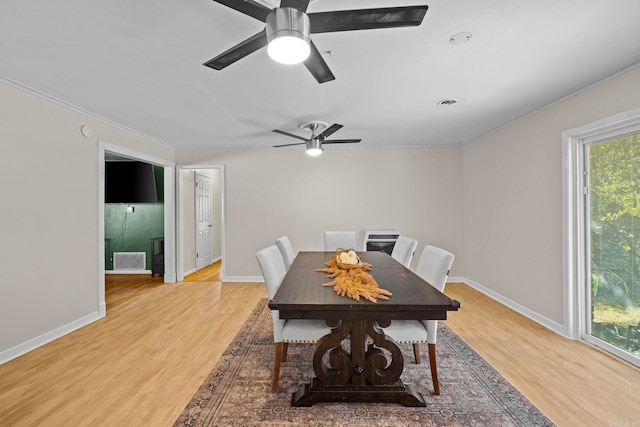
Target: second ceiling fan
(289, 25)
(314, 144)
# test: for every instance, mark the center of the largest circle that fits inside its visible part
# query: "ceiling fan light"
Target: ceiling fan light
(288, 50)
(288, 35)
(314, 147)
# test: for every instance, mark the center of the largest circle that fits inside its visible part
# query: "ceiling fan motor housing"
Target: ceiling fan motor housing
(314, 146)
(287, 24)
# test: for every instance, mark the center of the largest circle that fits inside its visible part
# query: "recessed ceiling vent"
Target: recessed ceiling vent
(460, 38)
(446, 102)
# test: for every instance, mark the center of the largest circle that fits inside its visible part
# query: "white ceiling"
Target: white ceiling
(139, 64)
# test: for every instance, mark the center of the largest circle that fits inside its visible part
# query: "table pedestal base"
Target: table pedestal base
(368, 372)
(316, 392)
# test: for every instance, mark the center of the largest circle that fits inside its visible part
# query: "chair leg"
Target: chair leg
(434, 369)
(416, 352)
(285, 347)
(280, 351)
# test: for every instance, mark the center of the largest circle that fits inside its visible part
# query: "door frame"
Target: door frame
(180, 214)
(574, 216)
(169, 216)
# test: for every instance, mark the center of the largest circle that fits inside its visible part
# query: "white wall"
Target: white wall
(513, 197)
(48, 217)
(273, 192)
(501, 217)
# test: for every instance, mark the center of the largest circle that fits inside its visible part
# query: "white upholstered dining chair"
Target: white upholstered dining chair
(433, 267)
(334, 240)
(404, 249)
(286, 249)
(285, 331)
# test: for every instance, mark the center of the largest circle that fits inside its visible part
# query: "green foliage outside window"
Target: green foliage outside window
(614, 196)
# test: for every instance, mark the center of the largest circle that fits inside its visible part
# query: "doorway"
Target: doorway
(168, 175)
(190, 229)
(601, 234)
(204, 220)
(613, 245)
(133, 215)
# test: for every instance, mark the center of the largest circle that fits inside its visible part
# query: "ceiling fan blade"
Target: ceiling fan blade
(317, 67)
(342, 141)
(329, 131)
(248, 7)
(289, 145)
(301, 5)
(290, 134)
(239, 51)
(366, 19)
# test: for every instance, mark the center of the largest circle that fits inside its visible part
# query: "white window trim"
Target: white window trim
(574, 214)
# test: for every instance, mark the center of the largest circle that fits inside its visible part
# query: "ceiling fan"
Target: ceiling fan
(314, 144)
(288, 27)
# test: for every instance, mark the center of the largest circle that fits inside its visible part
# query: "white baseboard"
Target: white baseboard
(43, 339)
(127, 272)
(186, 273)
(536, 317)
(193, 270)
(242, 279)
(34, 343)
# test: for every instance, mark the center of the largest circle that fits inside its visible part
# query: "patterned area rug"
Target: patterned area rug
(237, 391)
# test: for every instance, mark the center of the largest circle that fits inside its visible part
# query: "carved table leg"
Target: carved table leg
(362, 375)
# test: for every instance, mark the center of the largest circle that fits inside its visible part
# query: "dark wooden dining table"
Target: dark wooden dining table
(368, 368)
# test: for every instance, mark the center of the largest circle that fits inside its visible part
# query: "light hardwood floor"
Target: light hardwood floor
(573, 383)
(142, 363)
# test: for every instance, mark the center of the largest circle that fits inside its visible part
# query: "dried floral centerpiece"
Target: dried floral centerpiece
(350, 277)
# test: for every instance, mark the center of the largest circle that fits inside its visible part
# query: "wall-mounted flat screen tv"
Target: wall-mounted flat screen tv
(129, 182)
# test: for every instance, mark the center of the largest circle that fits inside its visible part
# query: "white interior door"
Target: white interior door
(204, 232)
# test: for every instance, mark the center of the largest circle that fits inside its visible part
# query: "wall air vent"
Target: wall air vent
(129, 261)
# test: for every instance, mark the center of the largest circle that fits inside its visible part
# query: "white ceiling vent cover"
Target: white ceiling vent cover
(129, 261)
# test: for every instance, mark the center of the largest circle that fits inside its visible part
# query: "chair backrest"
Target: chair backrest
(288, 255)
(273, 268)
(434, 266)
(334, 240)
(404, 249)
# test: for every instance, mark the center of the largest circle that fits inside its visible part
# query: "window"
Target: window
(601, 219)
